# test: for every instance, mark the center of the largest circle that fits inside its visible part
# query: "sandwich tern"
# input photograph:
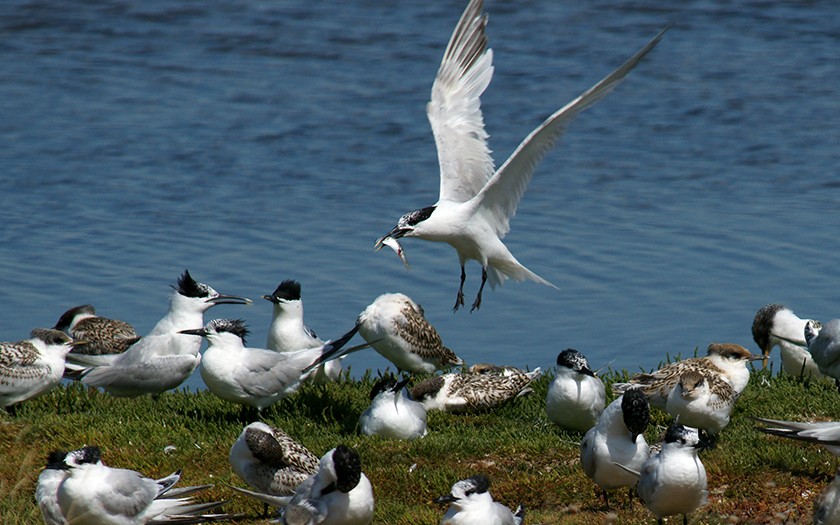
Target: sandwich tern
(254, 377)
(827, 505)
(392, 413)
(825, 433)
(33, 366)
(287, 332)
(727, 361)
(673, 481)
(270, 461)
(702, 401)
(339, 493)
(94, 494)
(824, 345)
(470, 503)
(473, 392)
(777, 325)
(476, 203)
(101, 335)
(163, 358)
(576, 397)
(395, 326)
(617, 437)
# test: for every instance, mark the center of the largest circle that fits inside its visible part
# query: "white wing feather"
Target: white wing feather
(455, 108)
(502, 194)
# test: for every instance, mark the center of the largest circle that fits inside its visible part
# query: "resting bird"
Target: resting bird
(476, 201)
(470, 503)
(473, 392)
(100, 334)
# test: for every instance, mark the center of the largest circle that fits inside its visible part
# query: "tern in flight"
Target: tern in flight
(476, 201)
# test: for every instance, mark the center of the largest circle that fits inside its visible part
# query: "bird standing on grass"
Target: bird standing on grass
(476, 201)
(392, 413)
(287, 333)
(165, 357)
(576, 397)
(777, 325)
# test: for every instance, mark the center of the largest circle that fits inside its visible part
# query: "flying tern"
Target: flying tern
(476, 202)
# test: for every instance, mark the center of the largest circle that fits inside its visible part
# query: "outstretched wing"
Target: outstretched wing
(502, 194)
(455, 108)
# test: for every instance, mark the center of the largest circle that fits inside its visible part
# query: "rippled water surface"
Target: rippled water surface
(253, 142)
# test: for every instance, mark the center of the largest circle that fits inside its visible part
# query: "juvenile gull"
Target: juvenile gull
(476, 201)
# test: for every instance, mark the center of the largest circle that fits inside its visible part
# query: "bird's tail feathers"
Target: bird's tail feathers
(335, 349)
(498, 272)
(628, 469)
(268, 499)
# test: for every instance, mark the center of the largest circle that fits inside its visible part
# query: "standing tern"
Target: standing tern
(287, 332)
(165, 357)
(777, 325)
(32, 367)
(476, 203)
(254, 377)
(101, 335)
(576, 397)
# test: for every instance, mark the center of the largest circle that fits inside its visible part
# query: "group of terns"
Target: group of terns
(475, 205)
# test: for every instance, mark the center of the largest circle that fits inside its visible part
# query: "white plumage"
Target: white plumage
(470, 503)
(576, 398)
(476, 202)
(392, 413)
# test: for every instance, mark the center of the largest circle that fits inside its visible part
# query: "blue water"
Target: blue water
(253, 142)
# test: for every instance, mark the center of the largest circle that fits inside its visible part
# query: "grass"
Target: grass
(753, 478)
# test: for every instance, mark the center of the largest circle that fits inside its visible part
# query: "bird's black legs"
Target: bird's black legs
(459, 300)
(477, 304)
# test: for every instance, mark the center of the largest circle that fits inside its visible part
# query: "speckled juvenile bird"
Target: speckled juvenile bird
(470, 503)
(270, 461)
(33, 366)
(777, 325)
(288, 333)
(702, 401)
(100, 334)
(395, 326)
(472, 392)
(576, 397)
(727, 361)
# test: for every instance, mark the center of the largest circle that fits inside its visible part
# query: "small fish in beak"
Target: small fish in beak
(394, 244)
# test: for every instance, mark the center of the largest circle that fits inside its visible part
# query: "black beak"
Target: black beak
(229, 299)
(448, 498)
(587, 371)
(395, 233)
(194, 331)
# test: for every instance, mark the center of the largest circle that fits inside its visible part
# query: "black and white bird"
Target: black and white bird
(576, 397)
(827, 505)
(726, 361)
(396, 327)
(392, 413)
(33, 366)
(270, 461)
(470, 503)
(824, 345)
(339, 493)
(617, 437)
(91, 493)
(673, 481)
(254, 377)
(473, 392)
(776, 325)
(477, 201)
(100, 334)
(288, 333)
(165, 357)
(825, 433)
